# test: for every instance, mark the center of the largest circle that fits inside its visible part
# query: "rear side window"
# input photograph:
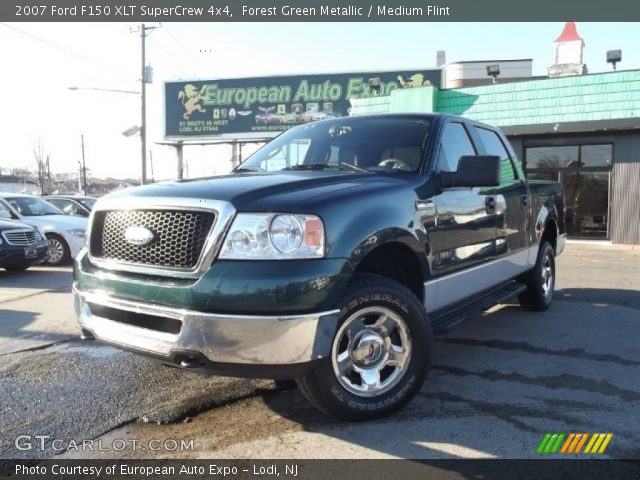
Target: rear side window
(455, 143)
(494, 146)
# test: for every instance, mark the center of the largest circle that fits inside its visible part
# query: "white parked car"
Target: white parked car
(65, 234)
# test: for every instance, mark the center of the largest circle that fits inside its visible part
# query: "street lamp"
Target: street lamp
(613, 57)
(493, 71)
(105, 90)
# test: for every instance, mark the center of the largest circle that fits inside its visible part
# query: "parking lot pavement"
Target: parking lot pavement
(53, 383)
(35, 308)
(498, 384)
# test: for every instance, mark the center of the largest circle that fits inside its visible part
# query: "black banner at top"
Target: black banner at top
(317, 10)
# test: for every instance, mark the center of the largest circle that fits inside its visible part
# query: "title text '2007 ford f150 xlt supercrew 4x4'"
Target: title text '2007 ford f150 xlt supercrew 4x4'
(332, 256)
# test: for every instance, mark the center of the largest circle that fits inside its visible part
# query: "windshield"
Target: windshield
(87, 202)
(394, 145)
(33, 206)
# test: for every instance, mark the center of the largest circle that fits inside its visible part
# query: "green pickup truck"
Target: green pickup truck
(330, 256)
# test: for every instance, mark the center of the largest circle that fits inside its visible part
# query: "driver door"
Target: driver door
(463, 235)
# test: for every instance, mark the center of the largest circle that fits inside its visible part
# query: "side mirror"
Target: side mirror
(473, 171)
(5, 213)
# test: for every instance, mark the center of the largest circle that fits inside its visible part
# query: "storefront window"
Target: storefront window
(596, 155)
(572, 156)
(552, 157)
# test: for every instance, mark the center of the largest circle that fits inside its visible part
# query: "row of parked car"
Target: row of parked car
(37, 230)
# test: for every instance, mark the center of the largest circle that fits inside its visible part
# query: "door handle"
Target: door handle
(422, 205)
(490, 204)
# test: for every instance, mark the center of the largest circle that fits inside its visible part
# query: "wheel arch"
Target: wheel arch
(398, 258)
(550, 232)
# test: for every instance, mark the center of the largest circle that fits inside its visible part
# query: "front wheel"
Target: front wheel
(17, 268)
(59, 253)
(540, 281)
(380, 353)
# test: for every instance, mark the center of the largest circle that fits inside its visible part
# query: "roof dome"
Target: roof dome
(569, 34)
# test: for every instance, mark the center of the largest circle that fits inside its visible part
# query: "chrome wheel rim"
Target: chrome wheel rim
(547, 276)
(56, 250)
(371, 351)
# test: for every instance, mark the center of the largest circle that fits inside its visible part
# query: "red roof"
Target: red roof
(569, 34)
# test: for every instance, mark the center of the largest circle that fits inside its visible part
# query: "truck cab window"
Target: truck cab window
(455, 143)
(494, 146)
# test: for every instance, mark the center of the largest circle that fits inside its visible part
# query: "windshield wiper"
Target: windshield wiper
(247, 169)
(353, 167)
(309, 166)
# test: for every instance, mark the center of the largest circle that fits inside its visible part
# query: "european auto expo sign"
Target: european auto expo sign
(262, 107)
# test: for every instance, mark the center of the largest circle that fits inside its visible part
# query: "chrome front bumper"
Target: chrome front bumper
(220, 338)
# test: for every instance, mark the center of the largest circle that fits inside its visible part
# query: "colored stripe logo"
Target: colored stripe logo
(574, 443)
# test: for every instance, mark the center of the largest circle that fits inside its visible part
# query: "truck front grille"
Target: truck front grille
(20, 238)
(178, 237)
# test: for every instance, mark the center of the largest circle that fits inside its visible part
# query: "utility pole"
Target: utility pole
(151, 161)
(84, 168)
(143, 103)
(180, 159)
(143, 127)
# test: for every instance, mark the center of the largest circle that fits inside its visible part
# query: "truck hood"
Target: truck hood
(278, 191)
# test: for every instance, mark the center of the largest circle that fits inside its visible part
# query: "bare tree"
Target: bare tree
(42, 164)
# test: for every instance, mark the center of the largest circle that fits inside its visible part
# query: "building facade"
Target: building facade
(581, 130)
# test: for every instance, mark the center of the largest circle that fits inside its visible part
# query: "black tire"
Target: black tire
(59, 253)
(373, 307)
(16, 268)
(540, 280)
(288, 384)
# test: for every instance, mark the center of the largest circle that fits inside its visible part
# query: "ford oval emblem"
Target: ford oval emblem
(138, 235)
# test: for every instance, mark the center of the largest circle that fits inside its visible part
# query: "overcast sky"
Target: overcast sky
(39, 62)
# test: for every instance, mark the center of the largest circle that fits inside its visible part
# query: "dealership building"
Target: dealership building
(580, 129)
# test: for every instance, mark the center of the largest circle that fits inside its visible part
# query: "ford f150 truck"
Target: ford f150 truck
(332, 256)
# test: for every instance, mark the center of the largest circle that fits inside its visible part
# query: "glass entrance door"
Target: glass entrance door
(586, 203)
(584, 173)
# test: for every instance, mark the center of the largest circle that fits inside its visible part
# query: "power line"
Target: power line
(169, 57)
(193, 57)
(65, 50)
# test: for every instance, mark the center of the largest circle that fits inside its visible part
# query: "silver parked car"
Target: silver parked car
(65, 234)
(72, 205)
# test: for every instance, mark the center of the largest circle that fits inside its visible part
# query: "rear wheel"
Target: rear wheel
(380, 353)
(59, 253)
(540, 281)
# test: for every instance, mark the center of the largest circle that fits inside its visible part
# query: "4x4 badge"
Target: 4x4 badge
(138, 235)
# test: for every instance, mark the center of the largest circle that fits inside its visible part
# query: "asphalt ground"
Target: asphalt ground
(499, 382)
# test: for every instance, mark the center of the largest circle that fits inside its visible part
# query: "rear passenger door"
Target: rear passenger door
(512, 200)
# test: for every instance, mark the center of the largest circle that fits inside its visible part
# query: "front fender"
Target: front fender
(361, 234)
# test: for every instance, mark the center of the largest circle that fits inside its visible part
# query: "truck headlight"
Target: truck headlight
(272, 236)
